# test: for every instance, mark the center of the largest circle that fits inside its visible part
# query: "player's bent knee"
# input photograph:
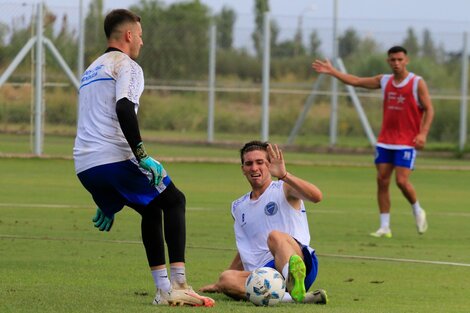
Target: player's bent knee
(275, 237)
(227, 278)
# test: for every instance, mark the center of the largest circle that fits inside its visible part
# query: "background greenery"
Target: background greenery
(175, 99)
(53, 260)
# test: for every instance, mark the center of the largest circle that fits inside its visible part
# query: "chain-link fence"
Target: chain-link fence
(175, 59)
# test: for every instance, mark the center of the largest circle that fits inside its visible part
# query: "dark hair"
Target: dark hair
(116, 18)
(396, 49)
(252, 146)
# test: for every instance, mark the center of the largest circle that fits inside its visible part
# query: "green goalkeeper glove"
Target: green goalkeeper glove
(102, 221)
(150, 164)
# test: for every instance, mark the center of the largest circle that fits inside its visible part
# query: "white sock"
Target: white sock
(384, 220)
(160, 277)
(285, 271)
(416, 208)
(178, 274)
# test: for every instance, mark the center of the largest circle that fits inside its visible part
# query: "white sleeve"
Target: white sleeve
(129, 81)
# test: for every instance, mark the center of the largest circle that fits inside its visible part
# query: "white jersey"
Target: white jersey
(100, 140)
(255, 219)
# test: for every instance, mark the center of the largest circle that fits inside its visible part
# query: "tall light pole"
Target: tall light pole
(300, 20)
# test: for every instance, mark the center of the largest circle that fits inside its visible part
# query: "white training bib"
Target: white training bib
(255, 219)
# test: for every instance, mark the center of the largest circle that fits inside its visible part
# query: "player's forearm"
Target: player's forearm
(428, 116)
(345, 78)
(302, 189)
(128, 121)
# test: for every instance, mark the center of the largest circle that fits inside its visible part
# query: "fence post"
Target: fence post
(38, 107)
(334, 82)
(464, 92)
(212, 58)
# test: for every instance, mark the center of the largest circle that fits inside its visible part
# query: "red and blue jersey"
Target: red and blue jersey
(402, 112)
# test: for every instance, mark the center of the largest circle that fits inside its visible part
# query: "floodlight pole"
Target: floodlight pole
(334, 82)
(266, 70)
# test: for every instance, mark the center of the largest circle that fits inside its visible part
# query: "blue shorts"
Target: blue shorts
(402, 157)
(115, 185)
(311, 263)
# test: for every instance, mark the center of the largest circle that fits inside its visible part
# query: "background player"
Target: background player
(407, 118)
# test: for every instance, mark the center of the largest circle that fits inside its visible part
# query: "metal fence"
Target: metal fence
(238, 94)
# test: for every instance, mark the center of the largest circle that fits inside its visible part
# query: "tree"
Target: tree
(3, 34)
(286, 49)
(411, 42)
(262, 6)
(66, 43)
(152, 19)
(348, 43)
(428, 48)
(94, 32)
(299, 46)
(175, 39)
(225, 21)
(314, 43)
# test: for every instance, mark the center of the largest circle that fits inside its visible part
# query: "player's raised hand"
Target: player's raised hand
(323, 66)
(277, 167)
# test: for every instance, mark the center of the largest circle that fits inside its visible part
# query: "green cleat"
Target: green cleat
(295, 282)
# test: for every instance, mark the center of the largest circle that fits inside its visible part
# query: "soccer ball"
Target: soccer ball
(265, 286)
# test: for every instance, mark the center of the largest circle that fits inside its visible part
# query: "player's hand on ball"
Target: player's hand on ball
(155, 167)
(101, 221)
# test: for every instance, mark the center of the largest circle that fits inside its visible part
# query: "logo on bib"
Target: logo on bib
(271, 208)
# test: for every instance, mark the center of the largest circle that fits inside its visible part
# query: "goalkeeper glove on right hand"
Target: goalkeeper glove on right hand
(150, 164)
(155, 167)
(101, 221)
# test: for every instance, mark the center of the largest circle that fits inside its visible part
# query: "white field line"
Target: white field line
(373, 258)
(357, 257)
(367, 211)
(226, 160)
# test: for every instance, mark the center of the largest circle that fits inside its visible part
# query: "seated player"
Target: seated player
(271, 227)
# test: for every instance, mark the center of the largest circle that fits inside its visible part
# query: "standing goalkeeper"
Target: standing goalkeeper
(112, 164)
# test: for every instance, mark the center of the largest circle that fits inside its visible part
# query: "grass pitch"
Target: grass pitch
(54, 260)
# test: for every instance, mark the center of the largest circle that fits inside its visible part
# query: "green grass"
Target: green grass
(53, 260)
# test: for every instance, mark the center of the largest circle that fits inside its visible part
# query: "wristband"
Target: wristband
(140, 151)
(283, 177)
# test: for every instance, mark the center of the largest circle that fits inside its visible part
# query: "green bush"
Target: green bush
(445, 126)
(15, 113)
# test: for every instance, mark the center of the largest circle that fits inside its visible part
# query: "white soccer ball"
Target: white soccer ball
(265, 286)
